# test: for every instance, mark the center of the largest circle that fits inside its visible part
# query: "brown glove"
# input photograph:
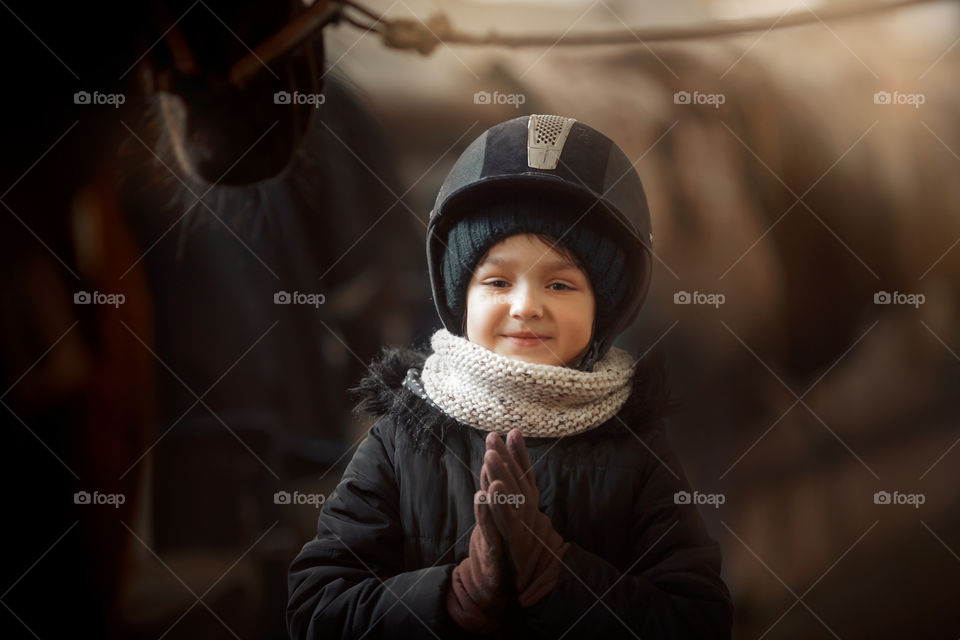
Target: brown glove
(474, 600)
(533, 546)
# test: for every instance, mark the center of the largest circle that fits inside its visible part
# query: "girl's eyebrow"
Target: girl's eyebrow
(554, 265)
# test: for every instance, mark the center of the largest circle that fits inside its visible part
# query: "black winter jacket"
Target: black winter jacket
(400, 519)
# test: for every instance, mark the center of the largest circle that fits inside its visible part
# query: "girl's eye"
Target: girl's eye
(497, 283)
(560, 284)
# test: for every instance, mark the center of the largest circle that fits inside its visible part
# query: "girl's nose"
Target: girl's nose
(525, 303)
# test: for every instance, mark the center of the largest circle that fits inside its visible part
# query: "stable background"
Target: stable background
(166, 452)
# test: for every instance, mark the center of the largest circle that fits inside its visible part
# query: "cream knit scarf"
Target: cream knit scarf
(492, 392)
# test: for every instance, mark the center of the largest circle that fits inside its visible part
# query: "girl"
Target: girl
(538, 255)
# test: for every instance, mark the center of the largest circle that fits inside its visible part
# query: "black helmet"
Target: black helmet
(550, 156)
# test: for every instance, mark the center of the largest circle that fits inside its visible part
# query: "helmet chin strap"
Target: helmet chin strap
(590, 357)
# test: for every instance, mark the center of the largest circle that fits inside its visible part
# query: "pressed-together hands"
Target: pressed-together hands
(510, 531)
(531, 544)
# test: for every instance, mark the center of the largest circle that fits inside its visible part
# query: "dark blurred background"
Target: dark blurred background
(202, 249)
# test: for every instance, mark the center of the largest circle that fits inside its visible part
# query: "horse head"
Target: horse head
(231, 117)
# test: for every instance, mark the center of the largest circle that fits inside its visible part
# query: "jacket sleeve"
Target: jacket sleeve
(348, 581)
(673, 587)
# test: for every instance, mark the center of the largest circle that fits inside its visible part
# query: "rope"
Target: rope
(406, 33)
(423, 37)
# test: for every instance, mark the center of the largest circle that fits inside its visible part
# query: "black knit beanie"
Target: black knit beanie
(603, 259)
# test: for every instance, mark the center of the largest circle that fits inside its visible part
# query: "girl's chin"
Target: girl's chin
(533, 358)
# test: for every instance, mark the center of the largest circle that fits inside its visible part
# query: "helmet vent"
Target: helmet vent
(548, 129)
(546, 136)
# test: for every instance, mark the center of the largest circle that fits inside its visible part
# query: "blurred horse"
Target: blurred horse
(198, 396)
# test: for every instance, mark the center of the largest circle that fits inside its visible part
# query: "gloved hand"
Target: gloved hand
(532, 545)
(475, 599)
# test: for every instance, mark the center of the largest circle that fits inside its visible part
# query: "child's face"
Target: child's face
(522, 287)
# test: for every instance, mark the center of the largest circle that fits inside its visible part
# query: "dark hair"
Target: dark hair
(566, 252)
